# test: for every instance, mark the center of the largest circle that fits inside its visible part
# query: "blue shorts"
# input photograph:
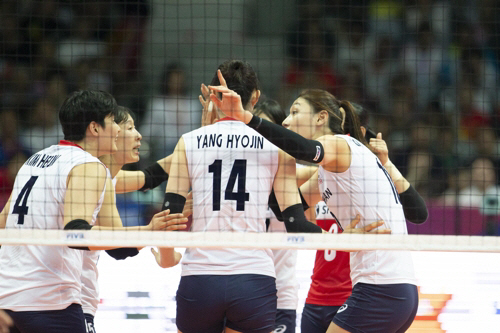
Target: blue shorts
(378, 308)
(317, 318)
(286, 320)
(70, 319)
(243, 302)
(89, 323)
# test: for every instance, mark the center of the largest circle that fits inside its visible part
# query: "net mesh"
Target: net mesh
(424, 72)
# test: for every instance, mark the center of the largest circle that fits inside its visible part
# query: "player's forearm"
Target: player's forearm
(295, 220)
(169, 257)
(5, 213)
(304, 174)
(129, 181)
(413, 204)
(397, 178)
(292, 143)
(166, 162)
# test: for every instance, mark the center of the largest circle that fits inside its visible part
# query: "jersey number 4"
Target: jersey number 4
(21, 208)
(239, 171)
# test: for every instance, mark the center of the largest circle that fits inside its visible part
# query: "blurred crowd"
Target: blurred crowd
(427, 71)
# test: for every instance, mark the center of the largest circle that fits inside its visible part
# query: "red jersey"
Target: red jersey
(331, 282)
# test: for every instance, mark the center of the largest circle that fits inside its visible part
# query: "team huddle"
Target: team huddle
(240, 170)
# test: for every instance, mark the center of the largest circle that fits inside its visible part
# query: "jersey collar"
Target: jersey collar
(226, 119)
(69, 143)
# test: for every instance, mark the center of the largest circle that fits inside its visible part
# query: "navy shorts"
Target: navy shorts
(317, 318)
(286, 320)
(243, 302)
(70, 319)
(89, 323)
(378, 308)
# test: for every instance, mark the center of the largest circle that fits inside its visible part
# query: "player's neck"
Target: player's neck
(114, 167)
(90, 147)
(322, 132)
(111, 163)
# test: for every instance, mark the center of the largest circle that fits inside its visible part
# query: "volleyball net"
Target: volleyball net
(424, 73)
(270, 240)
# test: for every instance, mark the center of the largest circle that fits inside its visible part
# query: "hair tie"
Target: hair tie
(341, 109)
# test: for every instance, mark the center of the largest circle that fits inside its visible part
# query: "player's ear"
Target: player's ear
(363, 131)
(94, 128)
(255, 97)
(322, 117)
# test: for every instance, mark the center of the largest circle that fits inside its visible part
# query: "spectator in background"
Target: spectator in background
(385, 17)
(56, 87)
(310, 48)
(438, 13)
(17, 89)
(457, 181)
(425, 61)
(13, 46)
(44, 129)
(82, 43)
(483, 182)
(353, 85)
(486, 146)
(170, 114)
(379, 72)
(415, 162)
(12, 153)
(355, 46)
(468, 108)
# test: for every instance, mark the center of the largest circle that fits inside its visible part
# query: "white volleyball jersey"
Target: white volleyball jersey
(367, 189)
(90, 287)
(90, 276)
(32, 277)
(232, 170)
(285, 261)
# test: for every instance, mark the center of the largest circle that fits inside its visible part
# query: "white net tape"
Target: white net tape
(345, 242)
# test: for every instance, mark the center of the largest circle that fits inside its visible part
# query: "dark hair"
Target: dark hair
(364, 120)
(271, 109)
(81, 108)
(122, 113)
(323, 100)
(240, 77)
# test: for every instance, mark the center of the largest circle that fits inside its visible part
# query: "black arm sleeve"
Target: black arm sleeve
(123, 252)
(275, 207)
(78, 224)
(154, 175)
(174, 202)
(295, 220)
(414, 206)
(290, 142)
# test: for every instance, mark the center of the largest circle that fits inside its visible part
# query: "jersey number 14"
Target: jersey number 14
(238, 172)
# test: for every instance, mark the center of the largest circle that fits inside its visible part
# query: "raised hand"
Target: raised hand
(370, 228)
(379, 147)
(166, 221)
(209, 114)
(230, 102)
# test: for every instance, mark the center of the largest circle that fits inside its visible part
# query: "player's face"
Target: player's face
(109, 136)
(129, 141)
(301, 119)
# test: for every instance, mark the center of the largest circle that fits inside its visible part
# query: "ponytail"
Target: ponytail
(352, 125)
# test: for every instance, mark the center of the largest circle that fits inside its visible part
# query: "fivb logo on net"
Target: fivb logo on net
(295, 239)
